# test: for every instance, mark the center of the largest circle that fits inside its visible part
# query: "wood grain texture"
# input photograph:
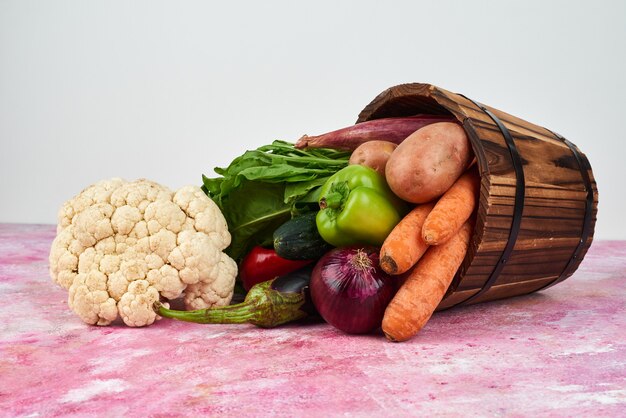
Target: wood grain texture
(554, 196)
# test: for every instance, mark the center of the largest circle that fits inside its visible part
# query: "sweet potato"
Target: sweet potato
(373, 154)
(428, 162)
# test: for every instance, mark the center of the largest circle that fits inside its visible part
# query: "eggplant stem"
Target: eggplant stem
(241, 313)
(263, 306)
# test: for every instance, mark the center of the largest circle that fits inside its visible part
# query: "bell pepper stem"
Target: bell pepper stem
(332, 200)
(336, 196)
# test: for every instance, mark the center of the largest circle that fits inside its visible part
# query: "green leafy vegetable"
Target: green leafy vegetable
(263, 188)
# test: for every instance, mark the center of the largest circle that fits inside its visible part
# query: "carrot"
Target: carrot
(452, 210)
(404, 244)
(425, 286)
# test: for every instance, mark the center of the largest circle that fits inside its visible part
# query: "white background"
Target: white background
(168, 90)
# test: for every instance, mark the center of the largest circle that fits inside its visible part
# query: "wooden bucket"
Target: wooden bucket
(538, 197)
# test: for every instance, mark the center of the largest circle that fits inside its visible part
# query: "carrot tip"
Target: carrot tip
(388, 264)
(428, 239)
(390, 338)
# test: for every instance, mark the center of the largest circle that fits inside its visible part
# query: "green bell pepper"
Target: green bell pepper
(357, 207)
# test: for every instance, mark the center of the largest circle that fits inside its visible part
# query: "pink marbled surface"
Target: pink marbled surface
(558, 353)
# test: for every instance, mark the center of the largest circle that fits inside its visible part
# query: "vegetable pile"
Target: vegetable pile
(369, 224)
(364, 227)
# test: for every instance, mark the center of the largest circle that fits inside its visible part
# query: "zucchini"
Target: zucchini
(298, 239)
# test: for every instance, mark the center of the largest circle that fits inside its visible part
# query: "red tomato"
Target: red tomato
(263, 264)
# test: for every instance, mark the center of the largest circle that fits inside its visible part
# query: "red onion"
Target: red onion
(350, 290)
(388, 129)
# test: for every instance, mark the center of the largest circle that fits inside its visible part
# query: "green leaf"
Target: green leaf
(253, 211)
(262, 188)
(299, 191)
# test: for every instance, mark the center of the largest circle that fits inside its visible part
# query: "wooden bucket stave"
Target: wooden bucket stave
(538, 197)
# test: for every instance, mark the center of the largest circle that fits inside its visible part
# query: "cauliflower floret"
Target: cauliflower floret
(89, 298)
(135, 306)
(189, 198)
(121, 246)
(96, 193)
(213, 290)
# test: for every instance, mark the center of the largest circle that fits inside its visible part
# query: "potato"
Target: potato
(428, 162)
(373, 154)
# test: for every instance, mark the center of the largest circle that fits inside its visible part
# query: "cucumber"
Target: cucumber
(298, 239)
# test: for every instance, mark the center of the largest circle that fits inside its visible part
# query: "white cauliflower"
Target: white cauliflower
(121, 246)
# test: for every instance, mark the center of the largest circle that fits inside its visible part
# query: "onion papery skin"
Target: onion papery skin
(350, 290)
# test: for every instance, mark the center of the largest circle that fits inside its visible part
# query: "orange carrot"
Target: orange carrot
(404, 244)
(452, 210)
(426, 284)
